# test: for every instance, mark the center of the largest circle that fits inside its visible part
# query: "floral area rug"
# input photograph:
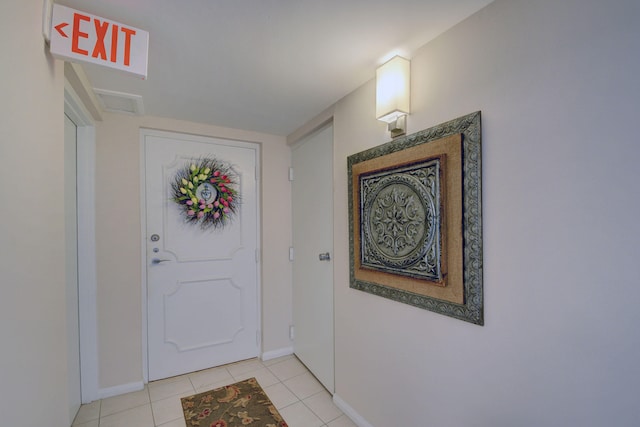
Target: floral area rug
(241, 404)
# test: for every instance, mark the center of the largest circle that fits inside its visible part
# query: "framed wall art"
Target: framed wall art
(415, 219)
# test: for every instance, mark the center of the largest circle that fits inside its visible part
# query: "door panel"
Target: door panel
(312, 192)
(202, 295)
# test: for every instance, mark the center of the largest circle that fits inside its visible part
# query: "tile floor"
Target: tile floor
(299, 397)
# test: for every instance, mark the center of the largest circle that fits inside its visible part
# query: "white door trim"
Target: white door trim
(143, 258)
(143, 240)
(87, 283)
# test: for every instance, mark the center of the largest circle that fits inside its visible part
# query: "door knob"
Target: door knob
(324, 257)
(158, 260)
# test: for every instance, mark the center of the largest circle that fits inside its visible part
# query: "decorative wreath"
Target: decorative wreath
(206, 192)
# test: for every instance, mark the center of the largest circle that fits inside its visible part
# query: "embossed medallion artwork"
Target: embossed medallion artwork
(401, 220)
(415, 219)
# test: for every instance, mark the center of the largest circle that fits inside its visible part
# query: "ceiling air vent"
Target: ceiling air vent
(119, 102)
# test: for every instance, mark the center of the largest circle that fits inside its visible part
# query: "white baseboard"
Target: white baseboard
(274, 354)
(350, 412)
(103, 393)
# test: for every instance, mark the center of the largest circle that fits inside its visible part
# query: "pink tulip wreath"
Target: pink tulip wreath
(206, 192)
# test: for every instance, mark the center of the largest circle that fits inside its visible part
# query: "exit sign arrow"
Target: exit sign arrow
(59, 28)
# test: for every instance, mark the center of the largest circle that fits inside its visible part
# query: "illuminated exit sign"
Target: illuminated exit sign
(81, 37)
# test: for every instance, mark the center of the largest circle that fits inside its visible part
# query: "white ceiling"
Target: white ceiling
(265, 65)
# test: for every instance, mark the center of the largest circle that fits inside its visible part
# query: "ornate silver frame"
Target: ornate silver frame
(472, 309)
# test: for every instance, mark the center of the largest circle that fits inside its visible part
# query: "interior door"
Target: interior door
(312, 192)
(202, 284)
(71, 266)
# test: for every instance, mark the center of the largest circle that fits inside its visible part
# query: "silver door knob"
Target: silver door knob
(324, 257)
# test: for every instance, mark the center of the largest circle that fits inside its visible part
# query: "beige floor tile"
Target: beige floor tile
(123, 402)
(298, 415)
(207, 377)
(94, 423)
(175, 423)
(287, 369)
(280, 395)
(322, 405)
(303, 385)
(136, 417)
(239, 368)
(159, 390)
(277, 360)
(343, 421)
(215, 385)
(88, 412)
(264, 376)
(167, 410)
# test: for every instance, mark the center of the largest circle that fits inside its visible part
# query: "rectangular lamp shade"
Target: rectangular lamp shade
(392, 89)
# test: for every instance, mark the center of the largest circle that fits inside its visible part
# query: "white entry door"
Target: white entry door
(312, 193)
(202, 284)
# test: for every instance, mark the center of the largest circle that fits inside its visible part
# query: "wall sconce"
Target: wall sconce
(392, 94)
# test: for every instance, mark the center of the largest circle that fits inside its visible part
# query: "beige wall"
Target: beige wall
(118, 236)
(33, 359)
(557, 83)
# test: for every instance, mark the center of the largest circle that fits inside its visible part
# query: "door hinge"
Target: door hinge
(291, 253)
(257, 255)
(290, 174)
(292, 332)
(258, 338)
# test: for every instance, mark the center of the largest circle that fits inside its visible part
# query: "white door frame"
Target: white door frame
(87, 283)
(143, 238)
